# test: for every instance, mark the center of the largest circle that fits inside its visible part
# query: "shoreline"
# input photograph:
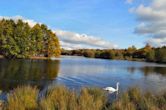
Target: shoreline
(39, 58)
(32, 58)
(54, 58)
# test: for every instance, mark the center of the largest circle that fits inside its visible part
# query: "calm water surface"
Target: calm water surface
(77, 72)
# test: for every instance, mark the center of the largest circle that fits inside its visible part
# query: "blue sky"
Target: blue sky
(109, 20)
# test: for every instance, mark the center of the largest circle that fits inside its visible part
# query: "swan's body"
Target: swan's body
(111, 89)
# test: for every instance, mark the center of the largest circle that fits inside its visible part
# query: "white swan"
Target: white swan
(111, 89)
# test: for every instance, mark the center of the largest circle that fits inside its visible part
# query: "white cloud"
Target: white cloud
(157, 42)
(83, 40)
(129, 1)
(152, 20)
(71, 40)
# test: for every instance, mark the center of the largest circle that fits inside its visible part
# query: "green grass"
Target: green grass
(61, 98)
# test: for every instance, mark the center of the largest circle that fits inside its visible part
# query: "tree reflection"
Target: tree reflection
(27, 72)
(148, 70)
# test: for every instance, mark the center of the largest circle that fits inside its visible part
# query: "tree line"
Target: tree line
(19, 40)
(146, 53)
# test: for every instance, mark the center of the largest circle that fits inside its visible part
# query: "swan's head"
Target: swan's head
(117, 83)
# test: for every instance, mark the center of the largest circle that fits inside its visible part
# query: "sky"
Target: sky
(99, 24)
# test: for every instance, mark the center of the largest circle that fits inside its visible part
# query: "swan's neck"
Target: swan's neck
(117, 87)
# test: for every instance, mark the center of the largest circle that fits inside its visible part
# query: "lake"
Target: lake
(77, 72)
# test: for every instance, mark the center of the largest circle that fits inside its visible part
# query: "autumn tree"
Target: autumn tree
(19, 40)
(53, 45)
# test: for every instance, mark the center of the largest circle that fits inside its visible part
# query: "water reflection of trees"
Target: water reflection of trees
(23, 72)
(148, 70)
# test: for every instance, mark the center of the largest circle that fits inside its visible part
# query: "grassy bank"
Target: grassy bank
(61, 98)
